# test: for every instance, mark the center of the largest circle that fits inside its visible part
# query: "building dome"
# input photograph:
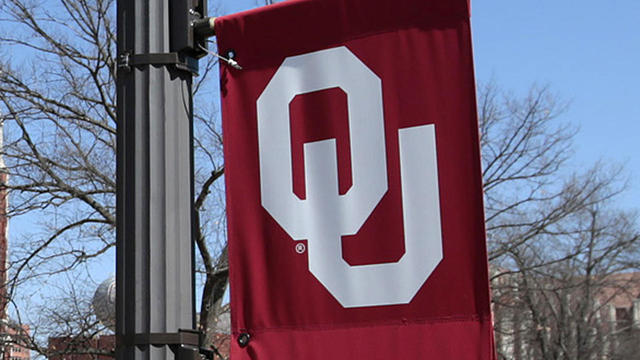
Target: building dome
(104, 303)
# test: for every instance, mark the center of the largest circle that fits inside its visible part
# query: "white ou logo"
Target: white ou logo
(325, 215)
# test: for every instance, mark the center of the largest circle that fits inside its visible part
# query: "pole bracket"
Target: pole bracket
(182, 337)
(185, 342)
(186, 63)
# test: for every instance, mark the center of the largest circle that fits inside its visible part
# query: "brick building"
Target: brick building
(10, 348)
(587, 320)
(103, 347)
(79, 348)
(10, 332)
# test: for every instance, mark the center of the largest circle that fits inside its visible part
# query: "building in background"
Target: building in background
(103, 347)
(82, 348)
(596, 319)
(10, 332)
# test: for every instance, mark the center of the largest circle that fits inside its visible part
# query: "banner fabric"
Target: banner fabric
(353, 182)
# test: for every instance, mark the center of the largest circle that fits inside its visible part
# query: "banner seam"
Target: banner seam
(344, 326)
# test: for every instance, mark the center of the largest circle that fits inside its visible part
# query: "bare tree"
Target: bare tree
(560, 251)
(561, 303)
(57, 95)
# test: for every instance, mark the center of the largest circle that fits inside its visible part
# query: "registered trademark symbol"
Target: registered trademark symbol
(300, 248)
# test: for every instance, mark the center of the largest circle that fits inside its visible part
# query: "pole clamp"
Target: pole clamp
(182, 337)
(127, 60)
(186, 343)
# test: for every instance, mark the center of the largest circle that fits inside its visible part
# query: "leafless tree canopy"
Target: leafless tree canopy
(557, 243)
(562, 254)
(57, 96)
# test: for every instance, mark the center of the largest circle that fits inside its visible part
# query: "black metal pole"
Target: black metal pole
(154, 252)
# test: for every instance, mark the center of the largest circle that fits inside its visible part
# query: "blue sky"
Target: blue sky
(587, 52)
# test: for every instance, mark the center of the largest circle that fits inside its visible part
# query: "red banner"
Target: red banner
(354, 190)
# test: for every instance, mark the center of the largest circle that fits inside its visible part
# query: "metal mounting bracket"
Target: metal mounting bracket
(186, 63)
(182, 337)
(185, 342)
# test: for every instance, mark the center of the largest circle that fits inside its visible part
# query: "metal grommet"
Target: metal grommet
(243, 339)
